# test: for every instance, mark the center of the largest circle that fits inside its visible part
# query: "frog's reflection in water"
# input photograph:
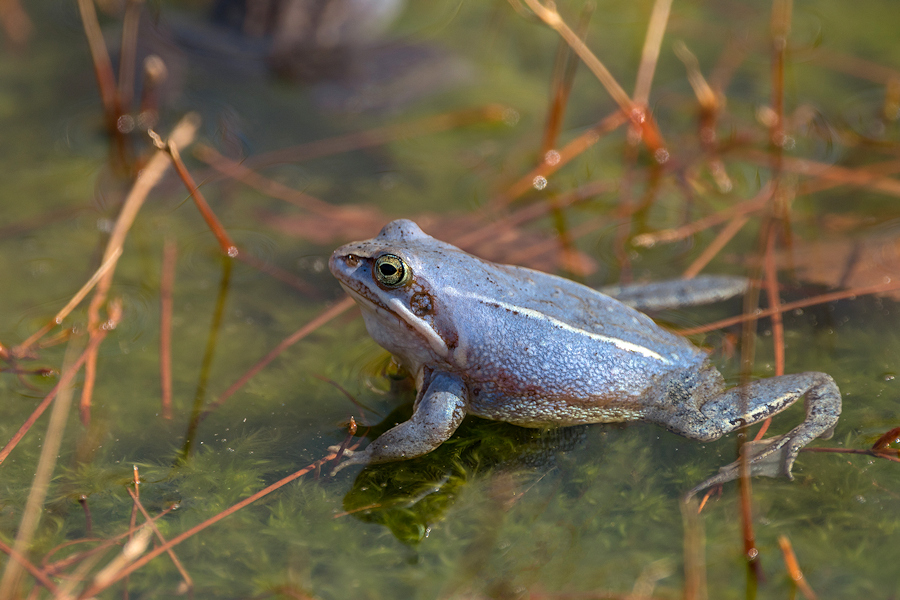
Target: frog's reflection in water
(410, 497)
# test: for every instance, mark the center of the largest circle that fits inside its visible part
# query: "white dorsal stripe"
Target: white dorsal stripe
(533, 314)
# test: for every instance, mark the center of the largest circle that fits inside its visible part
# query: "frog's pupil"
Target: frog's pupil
(388, 270)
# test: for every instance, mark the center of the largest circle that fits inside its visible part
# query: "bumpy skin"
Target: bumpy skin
(516, 345)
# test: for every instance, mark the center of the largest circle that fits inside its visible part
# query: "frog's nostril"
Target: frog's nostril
(352, 260)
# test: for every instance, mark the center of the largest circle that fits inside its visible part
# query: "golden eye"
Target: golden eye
(391, 271)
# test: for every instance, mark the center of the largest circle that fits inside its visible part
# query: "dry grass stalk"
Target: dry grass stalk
(106, 80)
(659, 18)
(554, 21)
(34, 506)
(132, 549)
(565, 155)
(22, 348)
(757, 203)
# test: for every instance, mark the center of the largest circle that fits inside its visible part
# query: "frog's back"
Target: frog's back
(543, 349)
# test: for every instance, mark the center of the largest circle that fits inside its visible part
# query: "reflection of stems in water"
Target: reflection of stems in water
(97, 588)
(207, 361)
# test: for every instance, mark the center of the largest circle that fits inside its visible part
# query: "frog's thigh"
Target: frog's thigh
(675, 293)
(437, 415)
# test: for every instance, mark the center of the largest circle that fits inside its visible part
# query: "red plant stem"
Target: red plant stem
(225, 243)
(771, 284)
(167, 282)
(793, 567)
(886, 439)
(821, 299)
(106, 80)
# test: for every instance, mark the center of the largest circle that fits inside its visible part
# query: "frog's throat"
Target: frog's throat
(421, 327)
(395, 307)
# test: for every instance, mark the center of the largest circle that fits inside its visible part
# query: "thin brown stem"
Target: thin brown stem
(771, 285)
(128, 53)
(166, 285)
(793, 568)
(95, 589)
(656, 29)
(565, 155)
(757, 203)
(64, 381)
(725, 235)
(789, 306)
(152, 524)
(15, 22)
(323, 317)
(228, 247)
(23, 348)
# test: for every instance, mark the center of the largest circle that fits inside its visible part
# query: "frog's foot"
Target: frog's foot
(772, 457)
(438, 413)
(357, 457)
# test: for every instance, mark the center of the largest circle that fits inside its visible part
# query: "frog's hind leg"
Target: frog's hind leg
(708, 414)
(678, 293)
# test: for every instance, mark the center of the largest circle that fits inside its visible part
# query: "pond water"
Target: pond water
(440, 117)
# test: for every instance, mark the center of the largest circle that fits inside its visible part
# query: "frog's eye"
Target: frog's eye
(391, 271)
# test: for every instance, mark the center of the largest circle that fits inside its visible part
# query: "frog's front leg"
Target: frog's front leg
(437, 413)
(708, 413)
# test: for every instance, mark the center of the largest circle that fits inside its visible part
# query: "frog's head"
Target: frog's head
(395, 279)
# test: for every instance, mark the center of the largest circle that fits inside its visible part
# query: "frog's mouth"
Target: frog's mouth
(364, 302)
